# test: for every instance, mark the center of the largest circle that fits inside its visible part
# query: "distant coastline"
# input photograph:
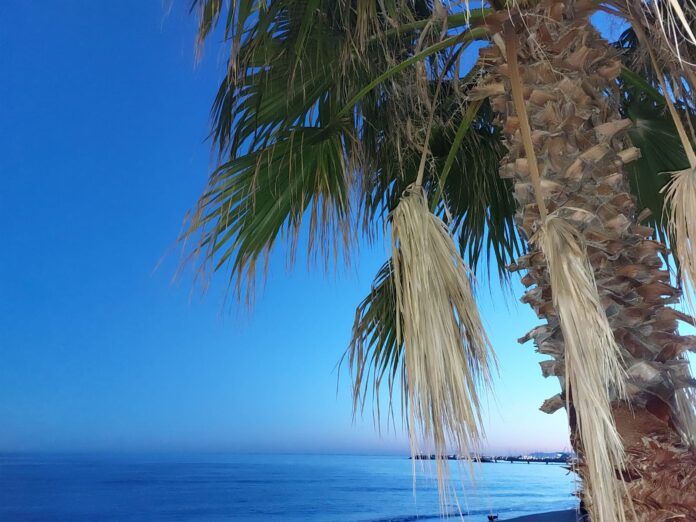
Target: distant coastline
(541, 458)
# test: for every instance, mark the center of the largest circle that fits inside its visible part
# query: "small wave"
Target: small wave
(416, 518)
(407, 518)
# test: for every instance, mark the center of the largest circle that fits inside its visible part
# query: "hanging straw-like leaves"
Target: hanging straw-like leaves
(680, 210)
(680, 197)
(685, 412)
(593, 359)
(594, 373)
(675, 20)
(446, 351)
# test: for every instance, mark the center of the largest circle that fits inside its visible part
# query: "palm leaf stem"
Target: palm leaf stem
(453, 21)
(525, 129)
(640, 83)
(468, 36)
(464, 126)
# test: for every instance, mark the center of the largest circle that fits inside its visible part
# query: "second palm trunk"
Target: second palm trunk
(568, 72)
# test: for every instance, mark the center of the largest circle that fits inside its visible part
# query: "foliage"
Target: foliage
(320, 125)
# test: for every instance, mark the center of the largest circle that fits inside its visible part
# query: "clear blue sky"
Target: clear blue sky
(103, 118)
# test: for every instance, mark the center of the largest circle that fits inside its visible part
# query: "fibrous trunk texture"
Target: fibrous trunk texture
(567, 70)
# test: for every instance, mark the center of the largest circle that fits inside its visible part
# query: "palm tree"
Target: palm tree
(543, 158)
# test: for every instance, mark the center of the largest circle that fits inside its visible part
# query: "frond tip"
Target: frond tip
(680, 204)
(374, 352)
(594, 373)
(447, 354)
(686, 414)
(257, 199)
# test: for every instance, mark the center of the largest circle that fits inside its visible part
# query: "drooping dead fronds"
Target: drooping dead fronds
(675, 21)
(594, 375)
(680, 204)
(686, 406)
(447, 354)
(593, 372)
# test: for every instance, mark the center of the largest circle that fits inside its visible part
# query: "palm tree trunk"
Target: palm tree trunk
(567, 70)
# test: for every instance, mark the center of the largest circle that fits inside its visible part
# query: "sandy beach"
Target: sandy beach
(554, 516)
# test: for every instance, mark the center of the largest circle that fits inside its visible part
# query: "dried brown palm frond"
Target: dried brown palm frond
(680, 204)
(675, 20)
(593, 359)
(671, 25)
(594, 374)
(447, 354)
(686, 413)
(665, 31)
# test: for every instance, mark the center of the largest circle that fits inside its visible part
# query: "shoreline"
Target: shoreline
(569, 515)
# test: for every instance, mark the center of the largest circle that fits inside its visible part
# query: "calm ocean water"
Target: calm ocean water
(255, 488)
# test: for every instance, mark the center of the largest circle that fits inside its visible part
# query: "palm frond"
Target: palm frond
(661, 152)
(255, 199)
(594, 373)
(375, 353)
(298, 99)
(238, 13)
(462, 182)
(286, 76)
(480, 202)
(653, 132)
(447, 354)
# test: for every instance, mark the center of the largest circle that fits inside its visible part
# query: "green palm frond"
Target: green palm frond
(374, 353)
(285, 76)
(476, 202)
(284, 154)
(653, 132)
(301, 121)
(480, 202)
(254, 199)
(661, 154)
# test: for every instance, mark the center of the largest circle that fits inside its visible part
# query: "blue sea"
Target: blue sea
(255, 488)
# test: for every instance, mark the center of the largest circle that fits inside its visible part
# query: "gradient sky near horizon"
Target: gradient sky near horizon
(104, 118)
